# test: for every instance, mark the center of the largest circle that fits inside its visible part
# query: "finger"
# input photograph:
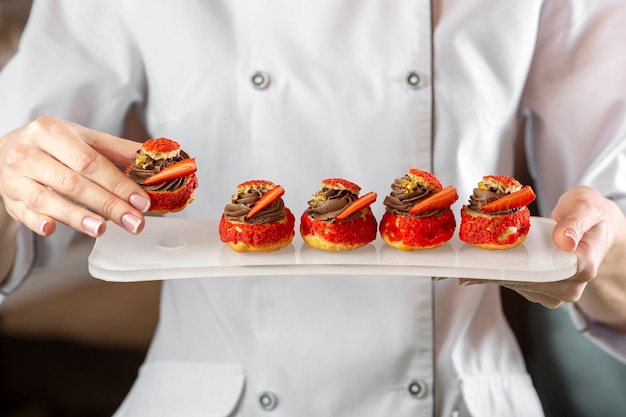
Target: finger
(44, 200)
(569, 290)
(466, 282)
(576, 213)
(104, 189)
(38, 223)
(72, 150)
(544, 300)
(119, 151)
(70, 144)
(83, 191)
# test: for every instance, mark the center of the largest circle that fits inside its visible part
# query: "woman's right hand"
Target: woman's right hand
(53, 170)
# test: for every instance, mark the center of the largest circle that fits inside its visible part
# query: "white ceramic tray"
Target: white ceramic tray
(171, 248)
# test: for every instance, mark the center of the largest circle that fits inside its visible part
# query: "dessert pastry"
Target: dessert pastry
(417, 212)
(337, 218)
(167, 174)
(257, 220)
(497, 216)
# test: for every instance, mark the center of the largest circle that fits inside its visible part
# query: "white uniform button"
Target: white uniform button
(413, 79)
(268, 400)
(260, 80)
(417, 388)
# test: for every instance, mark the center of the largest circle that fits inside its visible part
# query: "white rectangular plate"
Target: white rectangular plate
(171, 248)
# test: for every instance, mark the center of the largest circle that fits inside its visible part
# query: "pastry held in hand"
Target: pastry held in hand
(417, 212)
(257, 220)
(166, 172)
(497, 216)
(337, 218)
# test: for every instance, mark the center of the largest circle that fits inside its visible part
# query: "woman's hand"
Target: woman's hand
(57, 171)
(595, 229)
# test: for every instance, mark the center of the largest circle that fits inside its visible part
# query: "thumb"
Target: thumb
(576, 212)
(566, 234)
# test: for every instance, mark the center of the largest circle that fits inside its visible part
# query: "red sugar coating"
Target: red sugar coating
(173, 200)
(160, 145)
(426, 178)
(503, 180)
(481, 229)
(359, 230)
(340, 184)
(418, 232)
(257, 234)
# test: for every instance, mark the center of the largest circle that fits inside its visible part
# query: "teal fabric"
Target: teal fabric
(573, 377)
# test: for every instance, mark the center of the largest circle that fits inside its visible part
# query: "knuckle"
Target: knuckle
(574, 292)
(45, 120)
(587, 203)
(109, 208)
(68, 212)
(69, 184)
(36, 200)
(588, 271)
(42, 124)
(85, 162)
(16, 155)
(119, 186)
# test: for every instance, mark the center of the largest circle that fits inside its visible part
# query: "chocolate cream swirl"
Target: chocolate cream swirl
(140, 173)
(482, 197)
(401, 198)
(241, 204)
(329, 202)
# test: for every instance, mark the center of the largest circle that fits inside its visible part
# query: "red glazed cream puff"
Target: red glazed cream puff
(167, 174)
(497, 216)
(417, 212)
(337, 218)
(257, 220)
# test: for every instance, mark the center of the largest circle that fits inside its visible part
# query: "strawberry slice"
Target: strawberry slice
(178, 170)
(358, 204)
(511, 201)
(438, 201)
(266, 199)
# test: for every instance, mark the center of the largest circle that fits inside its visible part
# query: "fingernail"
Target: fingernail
(92, 225)
(467, 283)
(131, 223)
(139, 202)
(435, 279)
(42, 226)
(569, 232)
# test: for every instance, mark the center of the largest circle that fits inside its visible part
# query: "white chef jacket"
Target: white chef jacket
(298, 92)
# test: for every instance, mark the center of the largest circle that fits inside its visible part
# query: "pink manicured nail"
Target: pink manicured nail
(140, 203)
(569, 232)
(47, 227)
(92, 225)
(42, 226)
(131, 223)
